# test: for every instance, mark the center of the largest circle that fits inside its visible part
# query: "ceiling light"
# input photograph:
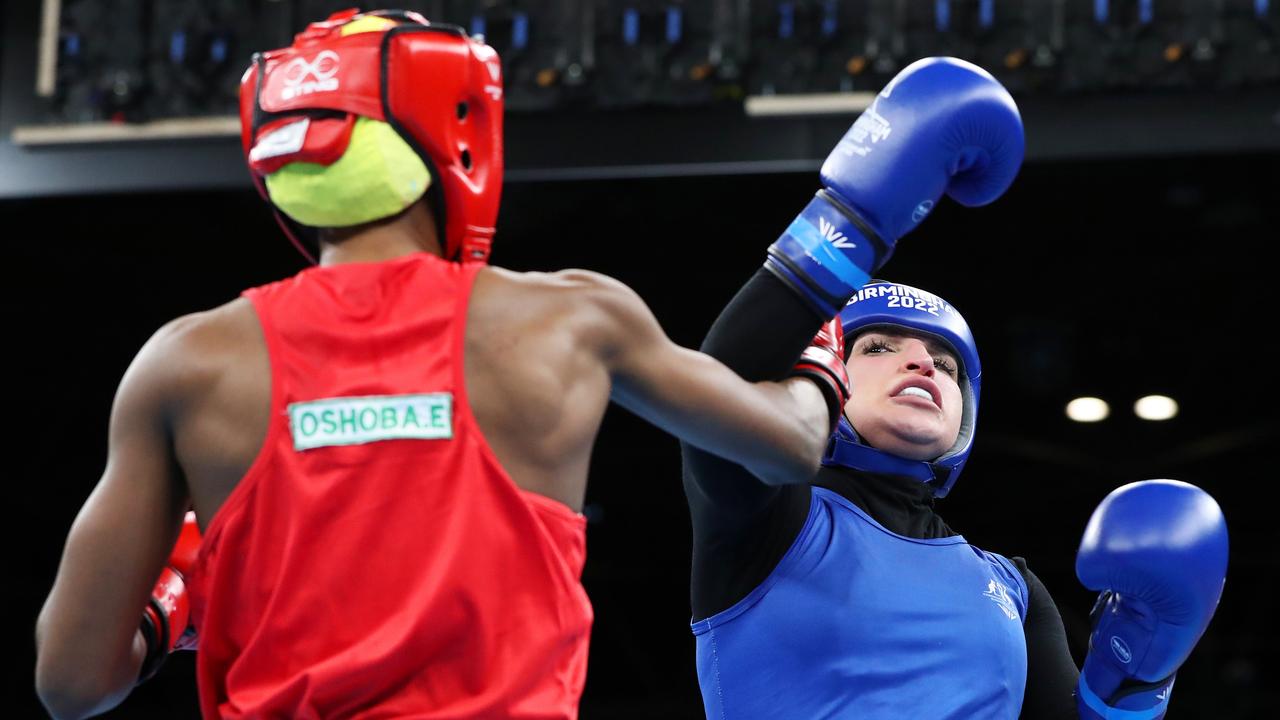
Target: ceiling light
(1155, 407)
(1088, 409)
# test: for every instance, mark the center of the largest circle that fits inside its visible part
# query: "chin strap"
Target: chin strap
(293, 236)
(845, 449)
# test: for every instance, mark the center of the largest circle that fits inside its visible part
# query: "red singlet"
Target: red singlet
(376, 561)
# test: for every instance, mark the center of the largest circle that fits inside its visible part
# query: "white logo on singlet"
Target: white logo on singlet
(999, 594)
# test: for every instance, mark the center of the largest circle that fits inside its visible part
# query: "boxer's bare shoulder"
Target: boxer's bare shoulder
(597, 310)
(206, 377)
(191, 353)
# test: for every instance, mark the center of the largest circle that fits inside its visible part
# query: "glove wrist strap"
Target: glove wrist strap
(155, 631)
(818, 364)
(1134, 700)
(826, 254)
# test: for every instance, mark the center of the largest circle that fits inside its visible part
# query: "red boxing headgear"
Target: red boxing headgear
(438, 88)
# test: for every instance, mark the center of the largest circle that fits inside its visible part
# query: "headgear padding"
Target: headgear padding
(892, 305)
(438, 89)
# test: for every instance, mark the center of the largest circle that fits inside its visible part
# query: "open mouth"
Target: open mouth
(920, 389)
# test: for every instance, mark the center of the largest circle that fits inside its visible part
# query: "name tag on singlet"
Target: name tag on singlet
(358, 420)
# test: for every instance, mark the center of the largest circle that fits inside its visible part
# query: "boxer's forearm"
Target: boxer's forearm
(759, 335)
(763, 330)
(69, 689)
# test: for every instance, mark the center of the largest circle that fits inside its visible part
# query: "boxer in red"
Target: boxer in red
(386, 453)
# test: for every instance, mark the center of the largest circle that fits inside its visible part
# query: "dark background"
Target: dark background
(1132, 255)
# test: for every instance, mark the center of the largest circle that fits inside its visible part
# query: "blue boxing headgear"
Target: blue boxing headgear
(895, 305)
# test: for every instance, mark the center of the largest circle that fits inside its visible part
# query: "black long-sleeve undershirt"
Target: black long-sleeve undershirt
(742, 527)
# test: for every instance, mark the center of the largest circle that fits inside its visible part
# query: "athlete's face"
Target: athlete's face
(906, 396)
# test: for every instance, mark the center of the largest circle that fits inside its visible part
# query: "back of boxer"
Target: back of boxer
(386, 453)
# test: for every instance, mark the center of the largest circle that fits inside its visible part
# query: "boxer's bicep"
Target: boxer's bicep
(775, 429)
(117, 544)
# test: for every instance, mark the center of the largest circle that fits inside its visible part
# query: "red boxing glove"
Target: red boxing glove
(187, 547)
(165, 621)
(823, 362)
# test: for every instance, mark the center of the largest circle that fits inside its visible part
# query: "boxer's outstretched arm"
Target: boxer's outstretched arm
(88, 645)
(776, 430)
(759, 336)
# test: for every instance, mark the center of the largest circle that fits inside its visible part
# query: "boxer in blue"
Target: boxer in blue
(846, 595)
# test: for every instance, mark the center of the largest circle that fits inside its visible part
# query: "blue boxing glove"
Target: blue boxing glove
(1157, 550)
(941, 125)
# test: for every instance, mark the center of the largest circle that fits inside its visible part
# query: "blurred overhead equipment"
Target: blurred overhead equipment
(131, 61)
